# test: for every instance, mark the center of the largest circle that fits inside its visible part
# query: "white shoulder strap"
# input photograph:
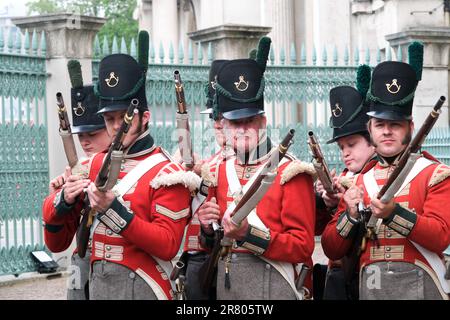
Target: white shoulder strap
(372, 186)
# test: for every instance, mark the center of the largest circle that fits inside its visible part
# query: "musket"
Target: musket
(244, 206)
(323, 173)
(66, 132)
(402, 168)
(184, 134)
(107, 176)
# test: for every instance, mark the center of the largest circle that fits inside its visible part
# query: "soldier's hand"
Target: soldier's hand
(56, 183)
(382, 210)
(208, 213)
(73, 186)
(352, 197)
(99, 201)
(232, 230)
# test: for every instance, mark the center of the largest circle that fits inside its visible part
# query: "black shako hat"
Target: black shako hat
(84, 110)
(120, 79)
(240, 89)
(83, 101)
(393, 85)
(348, 112)
(210, 89)
(240, 85)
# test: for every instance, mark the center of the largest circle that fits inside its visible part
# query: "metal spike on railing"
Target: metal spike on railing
(378, 55)
(161, 52)
(335, 55)
(18, 42)
(314, 55)
(96, 47)
(356, 56)
(180, 53)
(293, 55)
(133, 51)
(346, 56)
(43, 44)
(26, 42)
(272, 55)
(190, 53)
(2, 40)
(303, 55)
(210, 53)
(324, 56)
(388, 53)
(399, 53)
(152, 51)
(282, 57)
(199, 53)
(123, 46)
(115, 46)
(367, 59)
(171, 53)
(34, 43)
(10, 41)
(105, 47)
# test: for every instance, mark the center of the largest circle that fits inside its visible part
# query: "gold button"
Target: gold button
(108, 255)
(109, 232)
(388, 256)
(388, 248)
(108, 248)
(388, 234)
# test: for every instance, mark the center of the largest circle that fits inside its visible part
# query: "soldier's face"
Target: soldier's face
(114, 119)
(390, 137)
(355, 151)
(243, 135)
(95, 141)
(218, 132)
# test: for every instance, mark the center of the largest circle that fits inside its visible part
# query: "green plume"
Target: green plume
(252, 54)
(76, 77)
(143, 45)
(263, 52)
(363, 79)
(415, 57)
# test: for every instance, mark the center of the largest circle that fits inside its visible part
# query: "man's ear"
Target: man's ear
(145, 118)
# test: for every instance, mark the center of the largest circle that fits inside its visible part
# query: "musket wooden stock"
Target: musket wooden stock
(184, 134)
(320, 164)
(66, 132)
(102, 179)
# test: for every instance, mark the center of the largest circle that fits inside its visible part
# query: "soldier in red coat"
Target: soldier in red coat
(404, 260)
(93, 137)
(279, 233)
(349, 123)
(139, 224)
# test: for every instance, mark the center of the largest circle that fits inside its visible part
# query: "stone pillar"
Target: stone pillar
(165, 26)
(230, 41)
(68, 37)
(280, 16)
(435, 75)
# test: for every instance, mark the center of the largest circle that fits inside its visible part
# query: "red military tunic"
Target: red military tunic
(150, 220)
(421, 216)
(191, 240)
(287, 209)
(59, 229)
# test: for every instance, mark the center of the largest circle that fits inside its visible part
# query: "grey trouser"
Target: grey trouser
(111, 281)
(335, 285)
(396, 281)
(78, 288)
(252, 279)
(193, 285)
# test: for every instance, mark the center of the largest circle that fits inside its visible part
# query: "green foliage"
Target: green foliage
(120, 21)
